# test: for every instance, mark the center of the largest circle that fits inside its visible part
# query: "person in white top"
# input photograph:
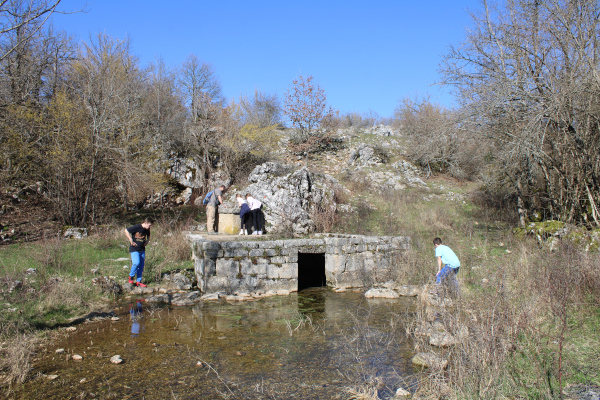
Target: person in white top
(257, 217)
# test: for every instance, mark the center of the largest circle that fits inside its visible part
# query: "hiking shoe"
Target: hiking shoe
(131, 280)
(140, 284)
(260, 232)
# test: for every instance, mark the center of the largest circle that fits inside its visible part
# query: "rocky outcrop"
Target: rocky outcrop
(289, 197)
(365, 155)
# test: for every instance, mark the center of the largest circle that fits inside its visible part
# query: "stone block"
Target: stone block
(383, 248)
(225, 267)
(336, 242)
(291, 258)
(360, 248)
(330, 249)
(273, 271)
(256, 253)
(248, 268)
(269, 244)
(270, 252)
(217, 283)
(229, 223)
(335, 263)
(289, 271)
(277, 260)
(210, 245)
(402, 242)
(349, 249)
(286, 271)
(235, 253)
(232, 245)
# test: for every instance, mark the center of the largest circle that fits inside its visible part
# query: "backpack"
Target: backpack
(207, 198)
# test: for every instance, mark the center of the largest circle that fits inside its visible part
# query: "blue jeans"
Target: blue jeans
(445, 273)
(137, 264)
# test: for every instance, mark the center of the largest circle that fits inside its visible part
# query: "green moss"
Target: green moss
(545, 228)
(519, 233)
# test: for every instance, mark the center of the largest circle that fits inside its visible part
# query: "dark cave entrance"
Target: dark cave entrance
(311, 270)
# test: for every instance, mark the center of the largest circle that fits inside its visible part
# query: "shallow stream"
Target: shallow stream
(315, 344)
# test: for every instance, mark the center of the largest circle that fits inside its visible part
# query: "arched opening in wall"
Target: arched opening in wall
(311, 270)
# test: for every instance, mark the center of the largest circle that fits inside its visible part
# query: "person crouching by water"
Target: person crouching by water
(245, 215)
(257, 218)
(139, 236)
(448, 264)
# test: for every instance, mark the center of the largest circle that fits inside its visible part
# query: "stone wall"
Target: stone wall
(251, 265)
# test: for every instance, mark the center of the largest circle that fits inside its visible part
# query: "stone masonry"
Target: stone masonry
(249, 265)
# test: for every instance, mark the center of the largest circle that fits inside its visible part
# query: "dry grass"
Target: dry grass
(16, 353)
(515, 333)
(362, 393)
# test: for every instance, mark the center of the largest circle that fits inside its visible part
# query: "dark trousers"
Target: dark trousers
(247, 222)
(257, 219)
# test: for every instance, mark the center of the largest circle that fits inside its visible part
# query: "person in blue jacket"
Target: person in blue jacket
(448, 263)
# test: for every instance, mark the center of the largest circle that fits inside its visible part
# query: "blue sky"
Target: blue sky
(366, 55)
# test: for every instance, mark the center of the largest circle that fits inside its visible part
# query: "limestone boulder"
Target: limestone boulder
(381, 293)
(441, 339)
(290, 196)
(429, 360)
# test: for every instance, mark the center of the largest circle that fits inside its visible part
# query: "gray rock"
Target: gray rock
(185, 196)
(75, 233)
(289, 196)
(381, 293)
(402, 393)
(15, 285)
(441, 339)
(108, 285)
(211, 297)
(116, 359)
(408, 290)
(429, 360)
(182, 302)
(365, 156)
(159, 298)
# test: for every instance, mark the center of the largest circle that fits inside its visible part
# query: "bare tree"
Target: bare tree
(24, 19)
(433, 137)
(263, 110)
(199, 86)
(528, 76)
(108, 80)
(306, 107)
(202, 95)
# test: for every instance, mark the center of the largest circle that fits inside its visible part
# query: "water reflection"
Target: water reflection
(136, 316)
(312, 344)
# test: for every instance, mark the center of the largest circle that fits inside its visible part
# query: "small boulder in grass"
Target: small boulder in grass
(429, 360)
(59, 351)
(51, 377)
(381, 293)
(77, 357)
(116, 359)
(71, 329)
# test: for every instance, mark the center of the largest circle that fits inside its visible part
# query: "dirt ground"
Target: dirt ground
(26, 220)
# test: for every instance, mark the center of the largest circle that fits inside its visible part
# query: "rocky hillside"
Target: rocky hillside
(292, 188)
